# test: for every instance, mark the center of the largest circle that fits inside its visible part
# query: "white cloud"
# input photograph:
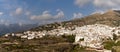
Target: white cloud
(1, 13)
(19, 11)
(20, 23)
(106, 3)
(98, 11)
(81, 2)
(46, 15)
(1, 21)
(27, 13)
(100, 4)
(59, 14)
(77, 15)
(4, 22)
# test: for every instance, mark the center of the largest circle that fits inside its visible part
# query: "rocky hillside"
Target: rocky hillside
(111, 18)
(96, 32)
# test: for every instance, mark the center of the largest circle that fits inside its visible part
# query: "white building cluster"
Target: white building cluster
(93, 35)
(88, 35)
(39, 34)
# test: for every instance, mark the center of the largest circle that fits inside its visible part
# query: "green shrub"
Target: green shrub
(116, 49)
(77, 48)
(108, 45)
(70, 38)
(118, 43)
(115, 37)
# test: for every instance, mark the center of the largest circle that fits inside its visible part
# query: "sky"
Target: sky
(47, 11)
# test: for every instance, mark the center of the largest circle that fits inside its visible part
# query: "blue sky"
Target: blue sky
(46, 11)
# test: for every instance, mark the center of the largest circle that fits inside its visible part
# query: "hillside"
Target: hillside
(96, 32)
(110, 18)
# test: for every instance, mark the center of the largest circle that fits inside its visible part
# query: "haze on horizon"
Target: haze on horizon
(47, 11)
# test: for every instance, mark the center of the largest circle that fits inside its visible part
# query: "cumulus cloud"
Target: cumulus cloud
(1, 13)
(81, 2)
(59, 14)
(100, 4)
(20, 23)
(47, 15)
(27, 13)
(4, 22)
(107, 3)
(18, 11)
(98, 11)
(77, 15)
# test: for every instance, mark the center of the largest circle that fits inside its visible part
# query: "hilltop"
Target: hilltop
(110, 18)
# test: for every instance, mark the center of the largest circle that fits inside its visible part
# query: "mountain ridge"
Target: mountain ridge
(111, 18)
(15, 28)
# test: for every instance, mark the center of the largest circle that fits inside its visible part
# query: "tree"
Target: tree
(115, 37)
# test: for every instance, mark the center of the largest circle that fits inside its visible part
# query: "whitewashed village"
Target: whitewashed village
(87, 36)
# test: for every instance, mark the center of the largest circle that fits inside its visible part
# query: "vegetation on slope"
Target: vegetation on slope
(111, 18)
